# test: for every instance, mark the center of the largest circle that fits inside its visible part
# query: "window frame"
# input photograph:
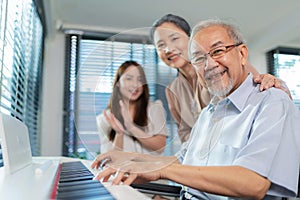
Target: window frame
(271, 63)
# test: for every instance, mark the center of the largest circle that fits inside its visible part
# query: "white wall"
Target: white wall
(52, 97)
(258, 60)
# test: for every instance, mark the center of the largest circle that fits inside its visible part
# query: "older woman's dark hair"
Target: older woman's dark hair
(175, 19)
(140, 115)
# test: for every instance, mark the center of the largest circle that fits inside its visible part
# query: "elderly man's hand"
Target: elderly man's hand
(112, 157)
(128, 172)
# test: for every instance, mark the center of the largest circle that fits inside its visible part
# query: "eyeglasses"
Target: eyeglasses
(218, 52)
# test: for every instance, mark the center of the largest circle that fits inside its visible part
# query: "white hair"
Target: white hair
(232, 30)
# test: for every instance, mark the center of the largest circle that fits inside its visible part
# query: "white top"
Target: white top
(156, 125)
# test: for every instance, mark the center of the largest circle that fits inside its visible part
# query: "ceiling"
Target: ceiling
(266, 24)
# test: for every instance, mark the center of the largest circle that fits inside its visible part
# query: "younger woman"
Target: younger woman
(131, 122)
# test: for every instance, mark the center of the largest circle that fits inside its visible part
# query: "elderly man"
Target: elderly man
(245, 142)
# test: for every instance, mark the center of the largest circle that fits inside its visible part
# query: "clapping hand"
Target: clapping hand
(114, 122)
(128, 122)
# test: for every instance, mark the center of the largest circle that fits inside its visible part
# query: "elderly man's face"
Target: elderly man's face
(221, 73)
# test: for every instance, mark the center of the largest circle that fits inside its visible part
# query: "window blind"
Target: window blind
(21, 43)
(98, 61)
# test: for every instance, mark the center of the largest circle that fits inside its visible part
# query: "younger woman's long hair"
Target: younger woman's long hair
(141, 104)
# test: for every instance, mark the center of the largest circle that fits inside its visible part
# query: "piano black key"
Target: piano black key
(76, 172)
(78, 183)
(75, 175)
(79, 187)
(87, 177)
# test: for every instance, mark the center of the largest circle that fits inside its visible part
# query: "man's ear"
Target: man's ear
(244, 54)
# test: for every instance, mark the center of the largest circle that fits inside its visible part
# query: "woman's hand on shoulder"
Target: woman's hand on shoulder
(267, 81)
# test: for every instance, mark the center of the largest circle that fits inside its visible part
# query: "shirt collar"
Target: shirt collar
(240, 95)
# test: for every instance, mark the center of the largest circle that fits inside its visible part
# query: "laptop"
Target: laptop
(16, 151)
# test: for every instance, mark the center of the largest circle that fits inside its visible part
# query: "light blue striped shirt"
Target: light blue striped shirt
(256, 130)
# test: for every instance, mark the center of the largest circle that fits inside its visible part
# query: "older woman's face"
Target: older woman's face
(171, 45)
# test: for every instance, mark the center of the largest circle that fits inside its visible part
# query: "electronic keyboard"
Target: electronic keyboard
(61, 178)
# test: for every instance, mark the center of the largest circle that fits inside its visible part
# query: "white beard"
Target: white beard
(221, 92)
